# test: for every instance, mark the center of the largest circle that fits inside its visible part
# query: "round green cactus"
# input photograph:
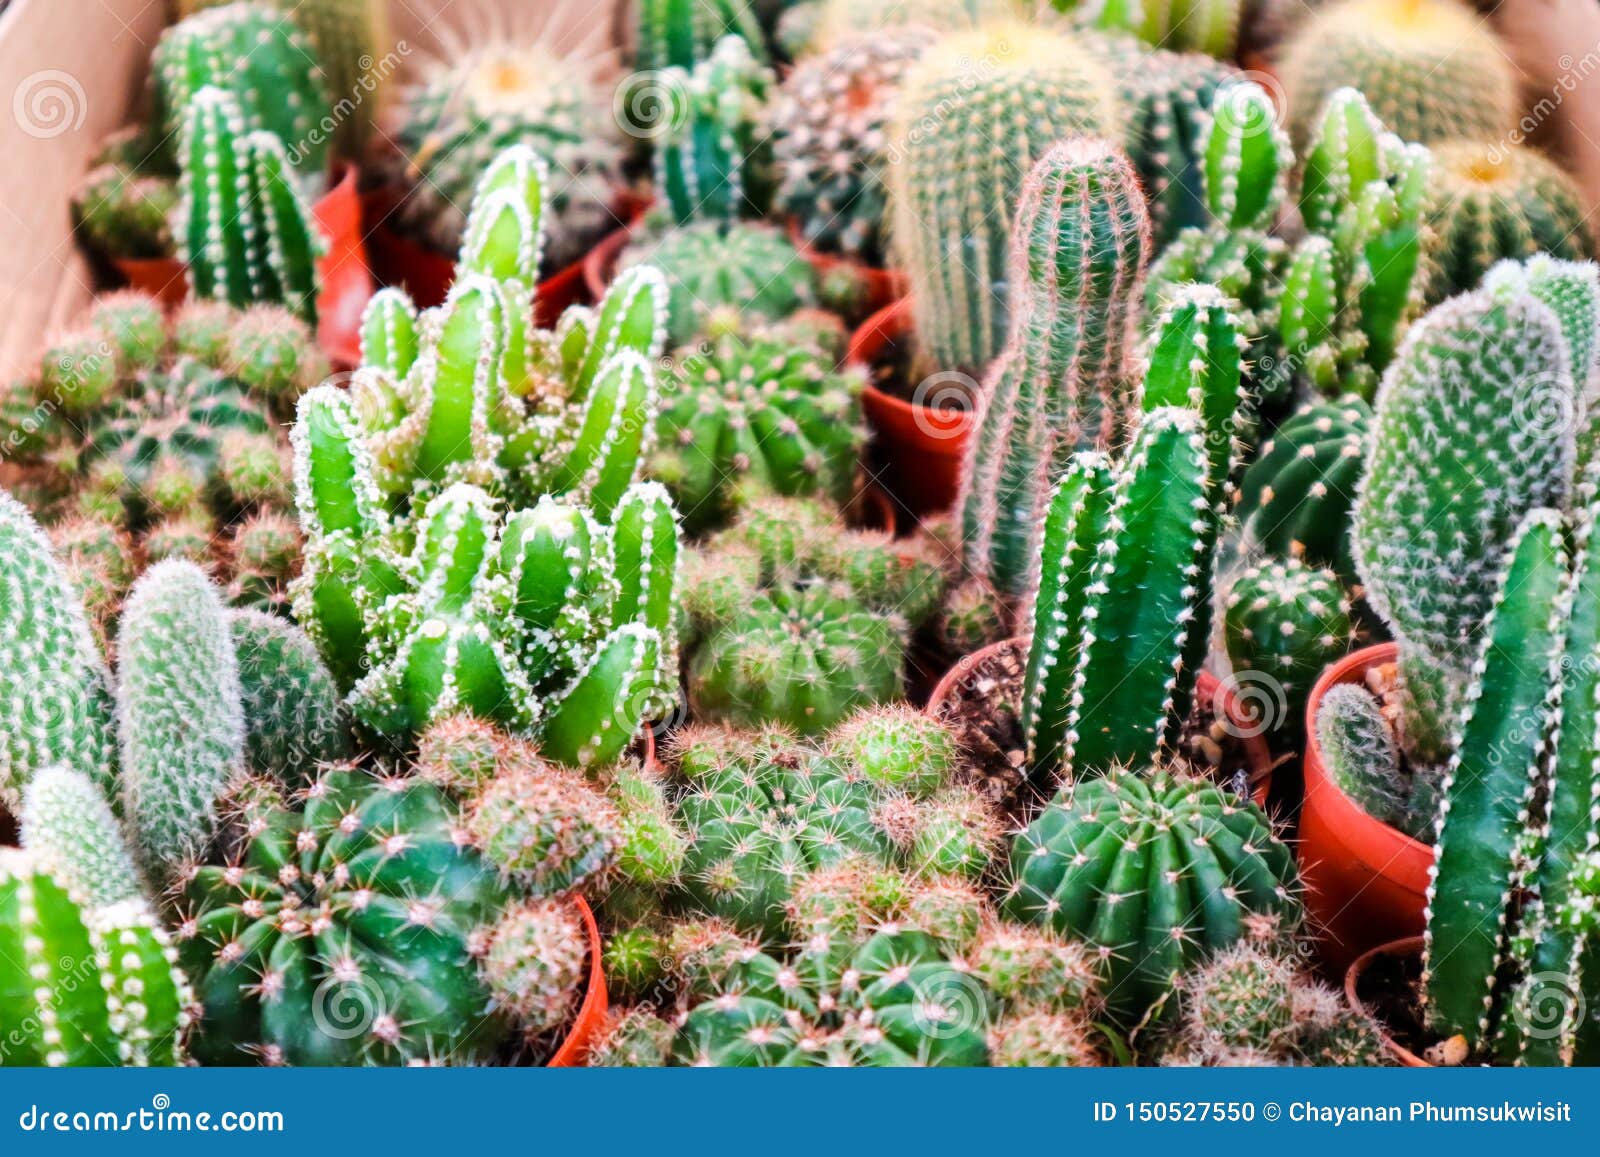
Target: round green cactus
(365, 861)
(1043, 1040)
(1241, 998)
(534, 965)
(633, 1038)
(896, 749)
(1155, 870)
(542, 825)
(125, 214)
(1034, 968)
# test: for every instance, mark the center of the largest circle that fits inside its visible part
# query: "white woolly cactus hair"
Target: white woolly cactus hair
(504, 48)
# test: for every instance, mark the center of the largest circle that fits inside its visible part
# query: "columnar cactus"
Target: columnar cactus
(961, 154)
(830, 122)
(68, 825)
(1381, 47)
(757, 415)
(1492, 202)
(681, 33)
(1442, 496)
(1062, 382)
(714, 161)
(84, 985)
(293, 716)
(1211, 27)
(246, 231)
(1189, 863)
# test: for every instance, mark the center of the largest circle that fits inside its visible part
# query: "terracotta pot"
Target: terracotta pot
(574, 1051)
(1208, 688)
(601, 261)
(884, 286)
(346, 280)
(1366, 882)
(1410, 946)
(919, 447)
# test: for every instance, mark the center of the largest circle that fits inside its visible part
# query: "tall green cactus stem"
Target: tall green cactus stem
(646, 542)
(962, 154)
(258, 58)
(389, 332)
(247, 232)
(54, 686)
(1211, 27)
(181, 724)
(681, 33)
(1155, 870)
(1121, 578)
(293, 716)
(83, 986)
(1295, 499)
(69, 826)
(1490, 788)
(1444, 496)
(714, 163)
(1061, 384)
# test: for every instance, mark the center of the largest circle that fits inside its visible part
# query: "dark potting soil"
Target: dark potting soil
(1390, 989)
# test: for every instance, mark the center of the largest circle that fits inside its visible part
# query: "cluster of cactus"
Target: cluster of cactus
(1210, 27)
(1153, 868)
(831, 120)
(760, 414)
(797, 621)
(713, 160)
(1493, 202)
(123, 212)
(682, 33)
(959, 153)
(477, 537)
(510, 89)
(1384, 48)
(1284, 622)
(1062, 383)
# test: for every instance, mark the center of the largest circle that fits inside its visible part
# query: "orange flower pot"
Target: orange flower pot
(884, 286)
(1410, 946)
(574, 1051)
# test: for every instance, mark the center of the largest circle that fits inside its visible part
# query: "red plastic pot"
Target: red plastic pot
(919, 447)
(1410, 946)
(884, 286)
(1208, 688)
(591, 1018)
(346, 280)
(1366, 882)
(601, 261)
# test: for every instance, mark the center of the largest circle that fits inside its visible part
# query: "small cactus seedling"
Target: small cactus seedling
(534, 966)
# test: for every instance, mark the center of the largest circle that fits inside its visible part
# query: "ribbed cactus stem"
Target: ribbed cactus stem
(682, 32)
(504, 238)
(389, 332)
(459, 379)
(68, 824)
(611, 434)
(1247, 157)
(1062, 383)
(714, 161)
(592, 720)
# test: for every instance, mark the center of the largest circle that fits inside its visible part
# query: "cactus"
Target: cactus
(831, 120)
(1381, 47)
(273, 992)
(650, 848)
(1239, 999)
(1285, 621)
(1034, 968)
(1492, 202)
(246, 232)
(633, 1038)
(1123, 575)
(84, 986)
(1043, 1040)
(535, 964)
(1061, 383)
(1295, 498)
(1415, 522)
(1145, 831)
(682, 33)
(971, 618)
(292, 714)
(123, 213)
(713, 162)
(180, 721)
(259, 59)
(460, 755)
(1359, 751)
(264, 557)
(712, 273)
(543, 826)
(53, 680)
(97, 556)
(896, 749)
(272, 354)
(1211, 27)
(68, 825)
(961, 156)
(757, 415)
(835, 21)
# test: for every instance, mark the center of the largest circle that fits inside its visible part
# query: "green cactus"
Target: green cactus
(713, 162)
(960, 157)
(756, 415)
(123, 213)
(534, 966)
(1285, 622)
(1043, 1040)
(1035, 968)
(1156, 870)
(292, 712)
(971, 618)
(1443, 496)
(97, 556)
(84, 986)
(543, 826)
(460, 755)
(682, 33)
(246, 233)
(69, 826)
(633, 1038)
(1295, 498)
(259, 59)
(1239, 999)
(713, 274)
(1492, 202)
(263, 558)
(1062, 382)
(181, 725)
(831, 120)
(1381, 47)
(1211, 27)
(896, 749)
(273, 992)
(1358, 748)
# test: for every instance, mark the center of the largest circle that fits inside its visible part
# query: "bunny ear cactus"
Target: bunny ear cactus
(962, 159)
(1062, 383)
(247, 234)
(714, 162)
